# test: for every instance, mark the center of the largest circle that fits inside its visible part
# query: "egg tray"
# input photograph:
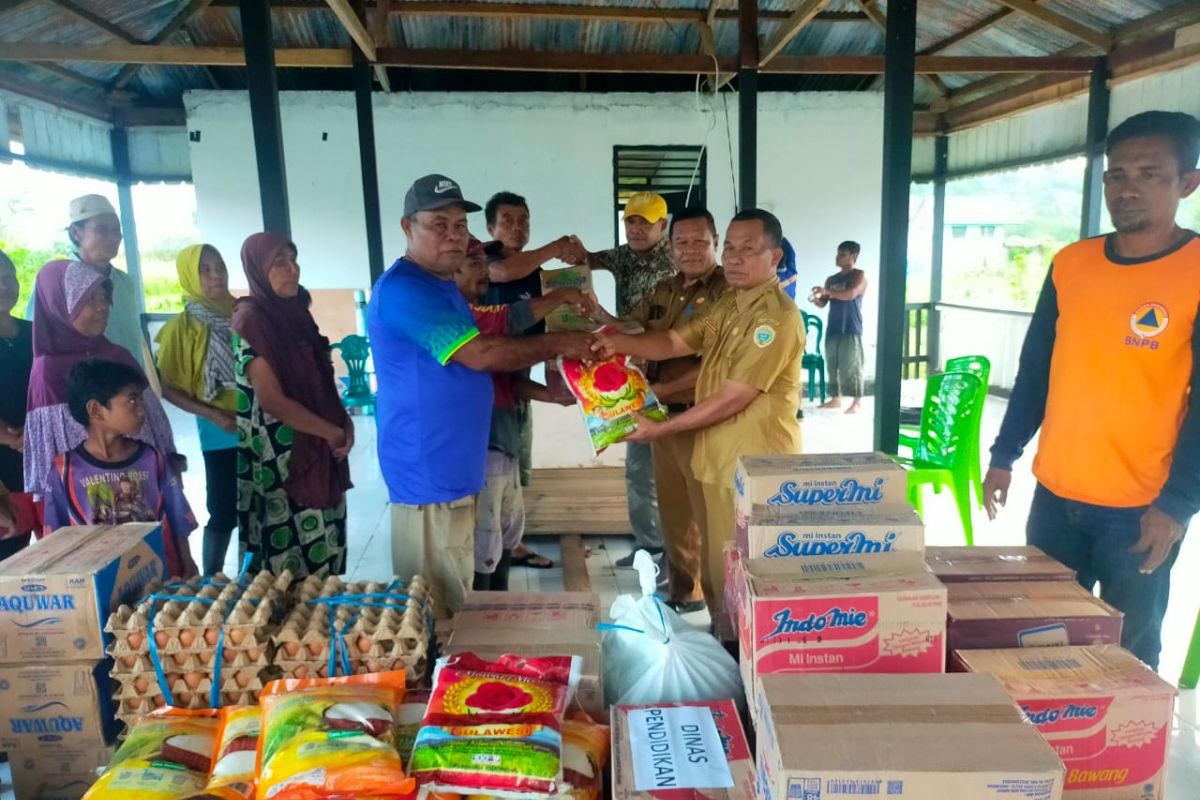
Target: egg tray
(136, 663)
(185, 684)
(132, 710)
(415, 666)
(377, 632)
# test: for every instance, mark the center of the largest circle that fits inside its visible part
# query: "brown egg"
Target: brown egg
(291, 648)
(237, 636)
(192, 679)
(140, 684)
(135, 640)
(161, 638)
(301, 671)
(316, 649)
(187, 637)
(129, 662)
(365, 644)
(210, 637)
(242, 679)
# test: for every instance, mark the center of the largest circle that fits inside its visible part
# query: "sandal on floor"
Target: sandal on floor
(533, 561)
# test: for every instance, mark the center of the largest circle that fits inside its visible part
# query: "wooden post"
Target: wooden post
(264, 115)
(747, 89)
(941, 157)
(893, 239)
(1097, 133)
(119, 141)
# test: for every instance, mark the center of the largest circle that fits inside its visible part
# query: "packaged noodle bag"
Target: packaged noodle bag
(166, 756)
(494, 728)
(234, 768)
(564, 318)
(611, 394)
(332, 737)
(585, 757)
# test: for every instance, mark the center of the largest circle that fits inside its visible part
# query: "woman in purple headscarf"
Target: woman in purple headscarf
(293, 434)
(71, 307)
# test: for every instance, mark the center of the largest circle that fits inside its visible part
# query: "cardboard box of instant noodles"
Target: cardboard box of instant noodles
(677, 750)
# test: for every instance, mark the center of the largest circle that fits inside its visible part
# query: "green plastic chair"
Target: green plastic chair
(980, 367)
(356, 351)
(942, 453)
(813, 360)
(1191, 664)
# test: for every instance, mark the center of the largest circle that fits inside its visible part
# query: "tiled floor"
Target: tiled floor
(824, 431)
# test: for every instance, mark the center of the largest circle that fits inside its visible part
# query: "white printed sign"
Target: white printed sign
(677, 748)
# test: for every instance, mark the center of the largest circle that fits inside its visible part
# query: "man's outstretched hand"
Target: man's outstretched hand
(995, 490)
(1160, 532)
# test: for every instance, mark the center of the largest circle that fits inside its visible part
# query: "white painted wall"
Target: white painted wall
(819, 170)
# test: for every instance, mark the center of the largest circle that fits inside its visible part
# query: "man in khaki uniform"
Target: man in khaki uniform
(697, 287)
(751, 343)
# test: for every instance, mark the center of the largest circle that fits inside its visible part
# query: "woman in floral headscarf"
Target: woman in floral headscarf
(71, 307)
(293, 434)
(195, 362)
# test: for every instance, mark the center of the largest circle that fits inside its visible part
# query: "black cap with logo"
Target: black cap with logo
(433, 192)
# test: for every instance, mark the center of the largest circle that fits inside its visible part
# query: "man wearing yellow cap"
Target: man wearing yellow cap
(638, 266)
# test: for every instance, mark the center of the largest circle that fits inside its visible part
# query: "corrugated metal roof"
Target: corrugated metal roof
(312, 24)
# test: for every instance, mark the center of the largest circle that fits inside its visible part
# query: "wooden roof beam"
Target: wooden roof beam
(871, 9)
(173, 26)
(354, 26)
(1101, 41)
(95, 20)
(381, 32)
(792, 26)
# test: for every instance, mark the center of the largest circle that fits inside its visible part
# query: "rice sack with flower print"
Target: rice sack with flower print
(495, 727)
(166, 756)
(332, 738)
(611, 394)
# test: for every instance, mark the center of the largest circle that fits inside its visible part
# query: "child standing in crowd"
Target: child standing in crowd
(111, 478)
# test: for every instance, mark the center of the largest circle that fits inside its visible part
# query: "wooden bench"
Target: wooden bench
(571, 503)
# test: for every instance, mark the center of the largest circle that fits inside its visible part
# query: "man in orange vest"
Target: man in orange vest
(1108, 372)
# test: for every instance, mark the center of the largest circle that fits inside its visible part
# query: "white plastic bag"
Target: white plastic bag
(652, 656)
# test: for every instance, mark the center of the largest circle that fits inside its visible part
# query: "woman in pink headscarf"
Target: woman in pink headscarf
(71, 307)
(293, 434)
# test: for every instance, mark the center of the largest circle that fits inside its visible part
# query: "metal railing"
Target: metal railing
(914, 361)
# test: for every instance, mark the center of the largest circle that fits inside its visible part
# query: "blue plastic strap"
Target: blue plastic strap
(214, 695)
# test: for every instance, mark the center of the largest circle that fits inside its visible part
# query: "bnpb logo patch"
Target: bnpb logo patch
(1149, 320)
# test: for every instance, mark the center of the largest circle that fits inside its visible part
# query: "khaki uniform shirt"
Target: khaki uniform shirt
(755, 337)
(636, 273)
(671, 303)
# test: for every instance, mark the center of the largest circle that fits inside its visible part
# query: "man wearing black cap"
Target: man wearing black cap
(435, 390)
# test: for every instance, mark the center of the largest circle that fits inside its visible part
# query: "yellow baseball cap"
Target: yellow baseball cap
(649, 205)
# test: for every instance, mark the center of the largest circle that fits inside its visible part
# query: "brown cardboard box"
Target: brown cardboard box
(56, 594)
(839, 614)
(491, 624)
(974, 564)
(822, 481)
(661, 760)
(59, 776)
(1028, 614)
(1106, 714)
(56, 707)
(903, 737)
(788, 533)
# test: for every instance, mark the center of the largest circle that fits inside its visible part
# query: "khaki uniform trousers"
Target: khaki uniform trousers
(436, 541)
(719, 529)
(681, 506)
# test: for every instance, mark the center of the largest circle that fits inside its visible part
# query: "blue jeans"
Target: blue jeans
(1094, 541)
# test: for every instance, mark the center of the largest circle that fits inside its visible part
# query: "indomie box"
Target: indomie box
(974, 564)
(693, 750)
(903, 737)
(56, 594)
(1106, 714)
(1028, 614)
(781, 532)
(830, 480)
(834, 614)
(56, 707)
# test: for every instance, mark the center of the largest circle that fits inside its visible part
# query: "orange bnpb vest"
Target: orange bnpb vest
(1119, 374)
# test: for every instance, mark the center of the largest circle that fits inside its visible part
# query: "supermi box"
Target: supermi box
(826, 480)
(782, 532)
(900, 737)
(837, 614)
(56, 594)
(1107, 714)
